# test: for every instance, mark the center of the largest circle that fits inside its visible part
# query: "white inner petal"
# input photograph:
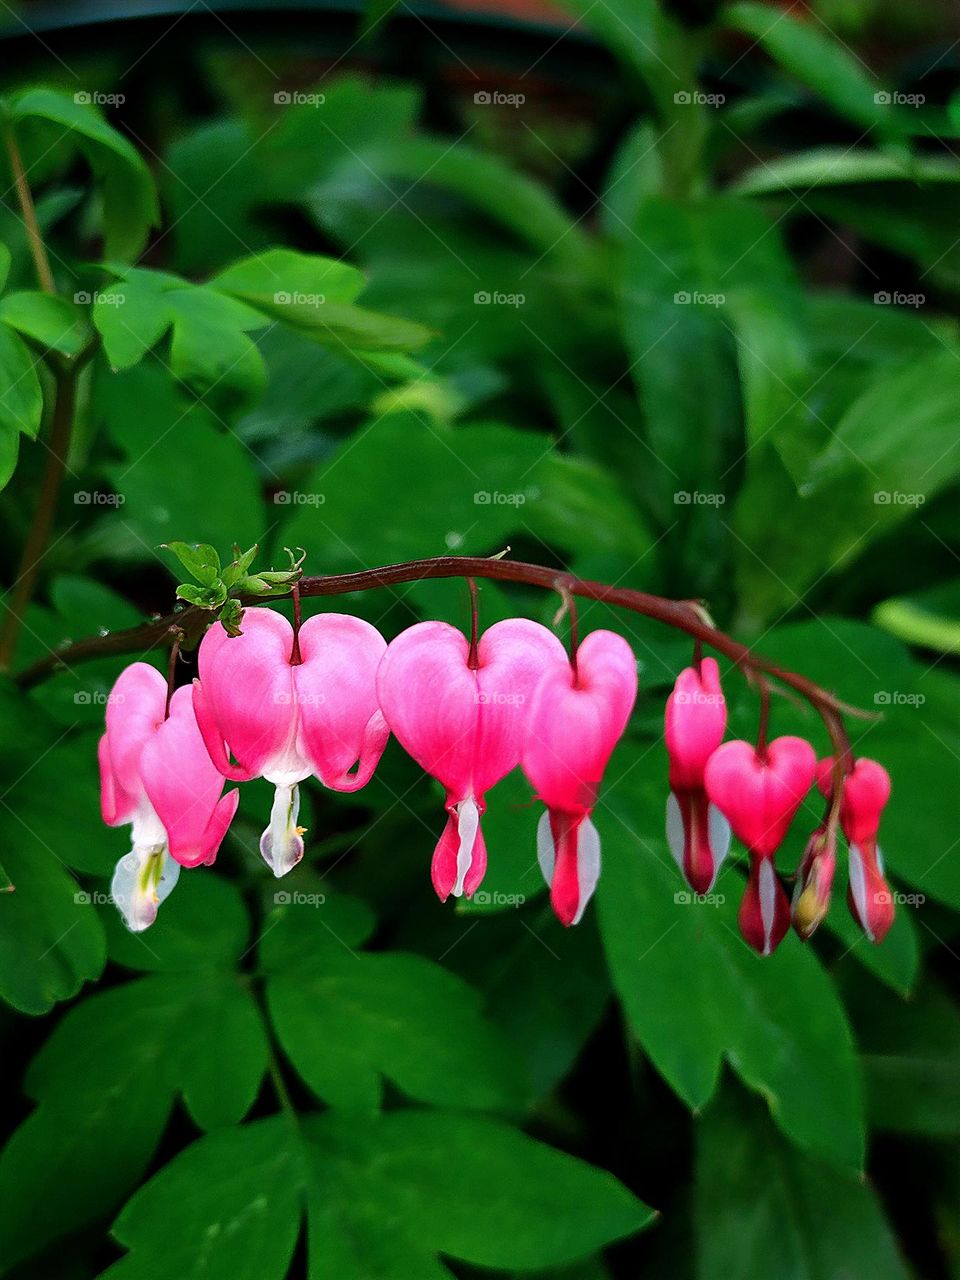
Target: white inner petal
(675, 833)
(468, 823)
(719, 829)
(588, 864)
(546, 854)
(281, 844)
(858, 888)
(768, 901)
(142, 880)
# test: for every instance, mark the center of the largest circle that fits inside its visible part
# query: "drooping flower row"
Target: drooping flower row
(267, 707)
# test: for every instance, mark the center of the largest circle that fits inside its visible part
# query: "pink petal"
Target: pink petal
(246, 701)
(336, 693)
(866, 791)
(575, 724)
(184, 787)
(460, 858)
(759, 797)
(695, 721)
(135, 707)
(764, 911)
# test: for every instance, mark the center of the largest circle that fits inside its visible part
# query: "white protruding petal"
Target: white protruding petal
(281, 844)
(719, 830)
(546, 854)
(676, 837)
(142, 880)
(880, 865)
(768, 901)
(468, 824)
(588, 864)
(858, 889)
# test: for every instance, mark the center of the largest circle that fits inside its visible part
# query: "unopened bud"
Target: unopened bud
(811, 895)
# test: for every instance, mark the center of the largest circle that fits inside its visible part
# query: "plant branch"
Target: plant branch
(34, 237)
(35, 546)
(685, 615)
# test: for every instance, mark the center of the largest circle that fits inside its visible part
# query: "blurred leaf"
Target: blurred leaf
(21, 399)
(260, 279)
(172, 450)
(132, 316)
(129, 198)
(758, 1198)
(930, 619)
(380, 1201)
(826, 166)
(695, 994)
(809, 51)
(51, 321)
(911, 1057)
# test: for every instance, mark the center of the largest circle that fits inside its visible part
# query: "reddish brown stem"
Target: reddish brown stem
(172, 669)
(295, 658)
(473, 658)
(685, 615)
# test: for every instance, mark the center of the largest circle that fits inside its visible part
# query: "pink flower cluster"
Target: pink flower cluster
(717, 786)
(323, 704)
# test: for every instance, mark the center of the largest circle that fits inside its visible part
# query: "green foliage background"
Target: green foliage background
(683, 320)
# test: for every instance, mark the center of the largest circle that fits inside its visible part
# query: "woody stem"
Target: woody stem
(685, 615)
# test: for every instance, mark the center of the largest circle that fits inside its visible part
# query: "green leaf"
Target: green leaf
(349, 1018)
(810, 53)
(210, 350)
(106, 1081)
(280, 276)
(172, 452)
(132, 315)
(199, 559)
(383, 1198)
(840, 166)
(129, 198)
(51, 321)
(203, 597)
(203, 925)
(758, 1198)
(911, 1057)
(51, 939)
(4, 264)
(930, 619)
(343, 328)
(899, 436)
(21, 398)
(696, 995)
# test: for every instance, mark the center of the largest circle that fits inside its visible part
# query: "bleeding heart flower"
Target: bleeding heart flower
(464, 725)
(759, 794)
(811, 893)
(694, 724)
(576, 720)
(866, 791)
(284, 721)
(155, 773)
